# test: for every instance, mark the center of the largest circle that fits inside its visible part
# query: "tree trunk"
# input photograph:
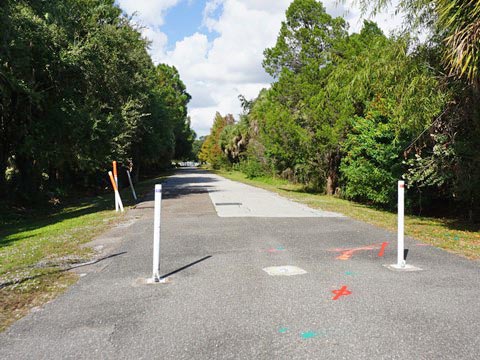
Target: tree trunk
(3, 182)
(331, 184)
(332, 173)
(27, 179)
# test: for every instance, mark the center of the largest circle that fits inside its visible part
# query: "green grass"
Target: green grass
(36, 248)
(450, 234)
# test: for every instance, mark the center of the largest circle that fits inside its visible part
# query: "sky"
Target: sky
(217, 45)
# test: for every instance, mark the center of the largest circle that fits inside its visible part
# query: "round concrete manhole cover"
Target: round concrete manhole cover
(286, 270)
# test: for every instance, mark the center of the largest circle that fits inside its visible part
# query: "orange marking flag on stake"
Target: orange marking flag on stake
(117, 194)
(115, 177)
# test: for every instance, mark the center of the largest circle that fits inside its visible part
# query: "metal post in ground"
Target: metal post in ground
(131, 185)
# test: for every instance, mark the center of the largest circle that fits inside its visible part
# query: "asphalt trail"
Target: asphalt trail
(221, 304)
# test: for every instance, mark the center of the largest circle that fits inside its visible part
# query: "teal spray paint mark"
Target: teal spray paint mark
(280, 248)
(308, 335)
(350, 273)
(283, 330)
(456, 238)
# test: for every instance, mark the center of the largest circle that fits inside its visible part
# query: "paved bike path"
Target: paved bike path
(221, 304)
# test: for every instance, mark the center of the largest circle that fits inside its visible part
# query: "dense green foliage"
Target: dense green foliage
(458, 23)
(352, 114)
(211, 151)
(78, 90)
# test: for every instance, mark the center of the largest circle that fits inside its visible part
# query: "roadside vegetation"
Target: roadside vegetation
(37, 248)
(78, 90)
(347, 115)
(462, 238)
(351, 114)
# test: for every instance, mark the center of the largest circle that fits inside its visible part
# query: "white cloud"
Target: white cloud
(158, 42)
(216, 72)
(150, 12)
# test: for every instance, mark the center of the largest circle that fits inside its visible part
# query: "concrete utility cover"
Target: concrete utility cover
(287, 270)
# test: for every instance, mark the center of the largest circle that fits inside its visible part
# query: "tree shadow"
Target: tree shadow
(451, 221)
(462, 225)
(56, 271)
(37, 222)
(175, 187)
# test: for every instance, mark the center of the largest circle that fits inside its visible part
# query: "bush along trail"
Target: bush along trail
(352, 113)
(38, 249)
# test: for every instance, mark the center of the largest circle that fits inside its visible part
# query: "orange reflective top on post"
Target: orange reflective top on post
(115, 169)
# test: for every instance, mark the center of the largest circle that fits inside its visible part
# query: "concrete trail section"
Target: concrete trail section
(255, 288)
(234, 199)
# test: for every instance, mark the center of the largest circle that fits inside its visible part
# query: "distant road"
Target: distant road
(256, 276)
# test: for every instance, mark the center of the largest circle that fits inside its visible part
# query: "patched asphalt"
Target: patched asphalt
(219, 303)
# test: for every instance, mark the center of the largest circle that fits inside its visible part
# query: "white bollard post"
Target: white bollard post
(400, 227)
(401, 264)
(131, 185)
(118, 199)
(156, 233)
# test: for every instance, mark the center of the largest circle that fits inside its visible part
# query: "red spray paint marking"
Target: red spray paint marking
(382, 249)
(341, 292)
(346, 254)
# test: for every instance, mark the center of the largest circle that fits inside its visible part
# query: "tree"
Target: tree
(303, 56)
(457, 22)
(211, 151)
(77, 90)
(196, 146)
(372, 161)
(307, 34)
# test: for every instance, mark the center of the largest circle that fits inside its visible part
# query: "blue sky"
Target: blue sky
(184, 20)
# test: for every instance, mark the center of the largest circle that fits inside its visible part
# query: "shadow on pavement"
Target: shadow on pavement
(74, 266)
(185, 267)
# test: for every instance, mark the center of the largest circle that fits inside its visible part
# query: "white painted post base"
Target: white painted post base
(405, 267)
(153, 281)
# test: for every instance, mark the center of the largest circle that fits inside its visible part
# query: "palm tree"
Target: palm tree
(457, 20)
(461, 20)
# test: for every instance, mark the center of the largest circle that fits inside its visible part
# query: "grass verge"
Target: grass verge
(450, 234)
(36, 249)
